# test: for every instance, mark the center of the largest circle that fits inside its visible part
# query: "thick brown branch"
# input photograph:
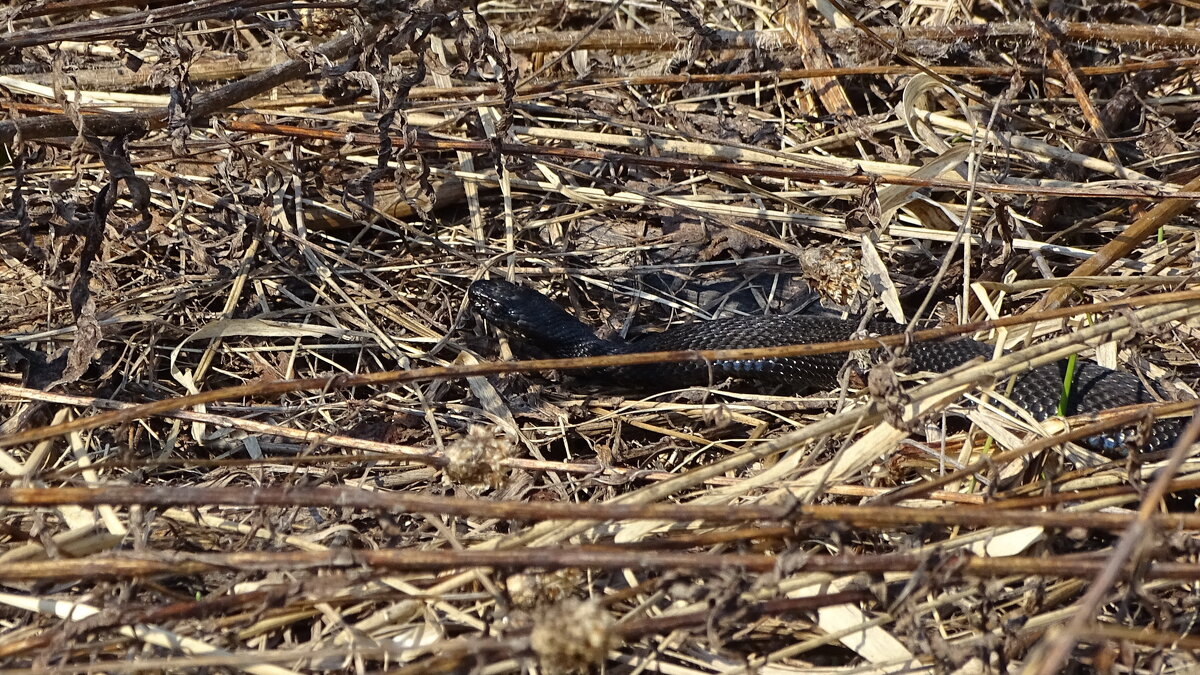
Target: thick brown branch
(392, 377)
(409, 560)
(403, 502)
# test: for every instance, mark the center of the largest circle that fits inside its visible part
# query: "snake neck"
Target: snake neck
(567, 337)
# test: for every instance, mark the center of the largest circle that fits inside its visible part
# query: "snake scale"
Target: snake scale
(523, 312)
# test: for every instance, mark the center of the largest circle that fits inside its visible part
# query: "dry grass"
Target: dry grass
(249, 423)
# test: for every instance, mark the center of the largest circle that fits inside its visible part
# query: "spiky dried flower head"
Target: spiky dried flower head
(572, 636)
(478, 458)
(835, 273)
(532, 590)
(322, 21)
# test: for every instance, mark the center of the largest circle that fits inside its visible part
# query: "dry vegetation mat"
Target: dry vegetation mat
(248, 421)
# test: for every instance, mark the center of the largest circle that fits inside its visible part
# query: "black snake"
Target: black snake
(525, 313)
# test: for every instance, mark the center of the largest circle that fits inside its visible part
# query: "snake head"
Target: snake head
(510, 307)
(523, 312)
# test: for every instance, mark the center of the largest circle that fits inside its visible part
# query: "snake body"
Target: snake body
(523, 312)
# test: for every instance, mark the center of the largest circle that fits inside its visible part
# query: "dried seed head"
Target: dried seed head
(835, 274)
(477, 458)
(572, 636)
(322, 21)
(531, 590)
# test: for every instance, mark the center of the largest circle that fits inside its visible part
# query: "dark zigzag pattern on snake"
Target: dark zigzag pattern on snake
(523, 312)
